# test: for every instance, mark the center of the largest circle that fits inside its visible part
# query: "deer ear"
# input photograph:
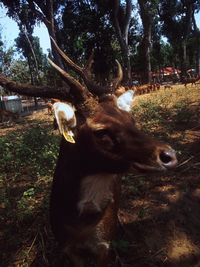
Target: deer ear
(66, 119)
(125, 101)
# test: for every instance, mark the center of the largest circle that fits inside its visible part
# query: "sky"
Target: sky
(9, 30)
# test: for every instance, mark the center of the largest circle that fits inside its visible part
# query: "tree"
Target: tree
(148, 10)
(19, 71)
(55, 16)
(93, 32)
(178, 26)
(196, 38)
(120, 17)
(28, 13)
(30, 48)
(6, 59)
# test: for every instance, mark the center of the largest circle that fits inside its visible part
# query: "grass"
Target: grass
(28, 158)
(27, 162)
(169, 114)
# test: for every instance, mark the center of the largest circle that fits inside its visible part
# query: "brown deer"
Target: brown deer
(85, 193)
(49, 108)
(168, 86)
(191, 80)
(8, 116)
(50, 105)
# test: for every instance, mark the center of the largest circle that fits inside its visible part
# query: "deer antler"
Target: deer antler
(83, 72)
(80, 95)
(78, 89)
(33, 90)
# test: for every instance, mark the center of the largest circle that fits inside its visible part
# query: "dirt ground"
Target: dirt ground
(159, 216)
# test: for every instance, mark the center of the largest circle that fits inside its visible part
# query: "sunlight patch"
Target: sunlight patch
(182, 246)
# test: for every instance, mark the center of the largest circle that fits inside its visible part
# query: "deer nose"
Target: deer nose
(167, 158)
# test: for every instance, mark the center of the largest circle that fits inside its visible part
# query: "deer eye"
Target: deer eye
(101, 133)
(117, 140)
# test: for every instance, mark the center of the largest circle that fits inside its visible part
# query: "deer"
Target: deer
(189, 80)
(49, 108)
(8, 116)
(50, 105)
(168, 86)
(105, 145)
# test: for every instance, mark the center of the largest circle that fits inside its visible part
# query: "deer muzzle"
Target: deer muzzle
(164, 159)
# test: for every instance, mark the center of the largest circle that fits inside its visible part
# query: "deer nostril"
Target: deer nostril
(168, 158)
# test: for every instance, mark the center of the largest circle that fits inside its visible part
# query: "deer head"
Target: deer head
(105, 125)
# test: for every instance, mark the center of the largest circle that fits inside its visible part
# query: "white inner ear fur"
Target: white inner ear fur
(65, 116)
(125, 101)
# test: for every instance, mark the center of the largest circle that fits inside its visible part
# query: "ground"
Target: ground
(159, 213)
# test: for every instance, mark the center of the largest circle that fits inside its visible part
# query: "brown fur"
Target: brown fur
(192, 80)
(168, 86)
(8, 116)
(120, 90)
(50, 105)
(147, 88)
(86, 187)
(49, 108)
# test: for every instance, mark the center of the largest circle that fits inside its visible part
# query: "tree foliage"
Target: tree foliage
(112, 30)
(179, 27)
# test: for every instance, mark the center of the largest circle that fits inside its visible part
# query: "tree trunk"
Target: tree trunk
(197, 38)
(122, 35)
(184, 61)
(146, 18)
(32, 80)
(198, 55)
(47, 16)
(189, 13)
(147, 59)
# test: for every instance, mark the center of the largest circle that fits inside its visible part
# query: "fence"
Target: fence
(12, 103)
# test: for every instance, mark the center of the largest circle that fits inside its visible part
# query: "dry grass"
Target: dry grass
(176, 94)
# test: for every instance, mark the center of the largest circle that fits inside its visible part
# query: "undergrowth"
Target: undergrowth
(27, 162)
(34, 150)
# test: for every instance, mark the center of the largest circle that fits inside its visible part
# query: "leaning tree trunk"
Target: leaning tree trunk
(47, 16)
(122, 34)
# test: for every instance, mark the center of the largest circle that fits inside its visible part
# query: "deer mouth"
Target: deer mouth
(144, 167)
(165, 160)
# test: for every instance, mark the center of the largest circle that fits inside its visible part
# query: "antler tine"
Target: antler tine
(85, 102)
(77, 89)
(83, 72)
(116, 81)
(73, 65)
(99, 90)
(33, 90)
